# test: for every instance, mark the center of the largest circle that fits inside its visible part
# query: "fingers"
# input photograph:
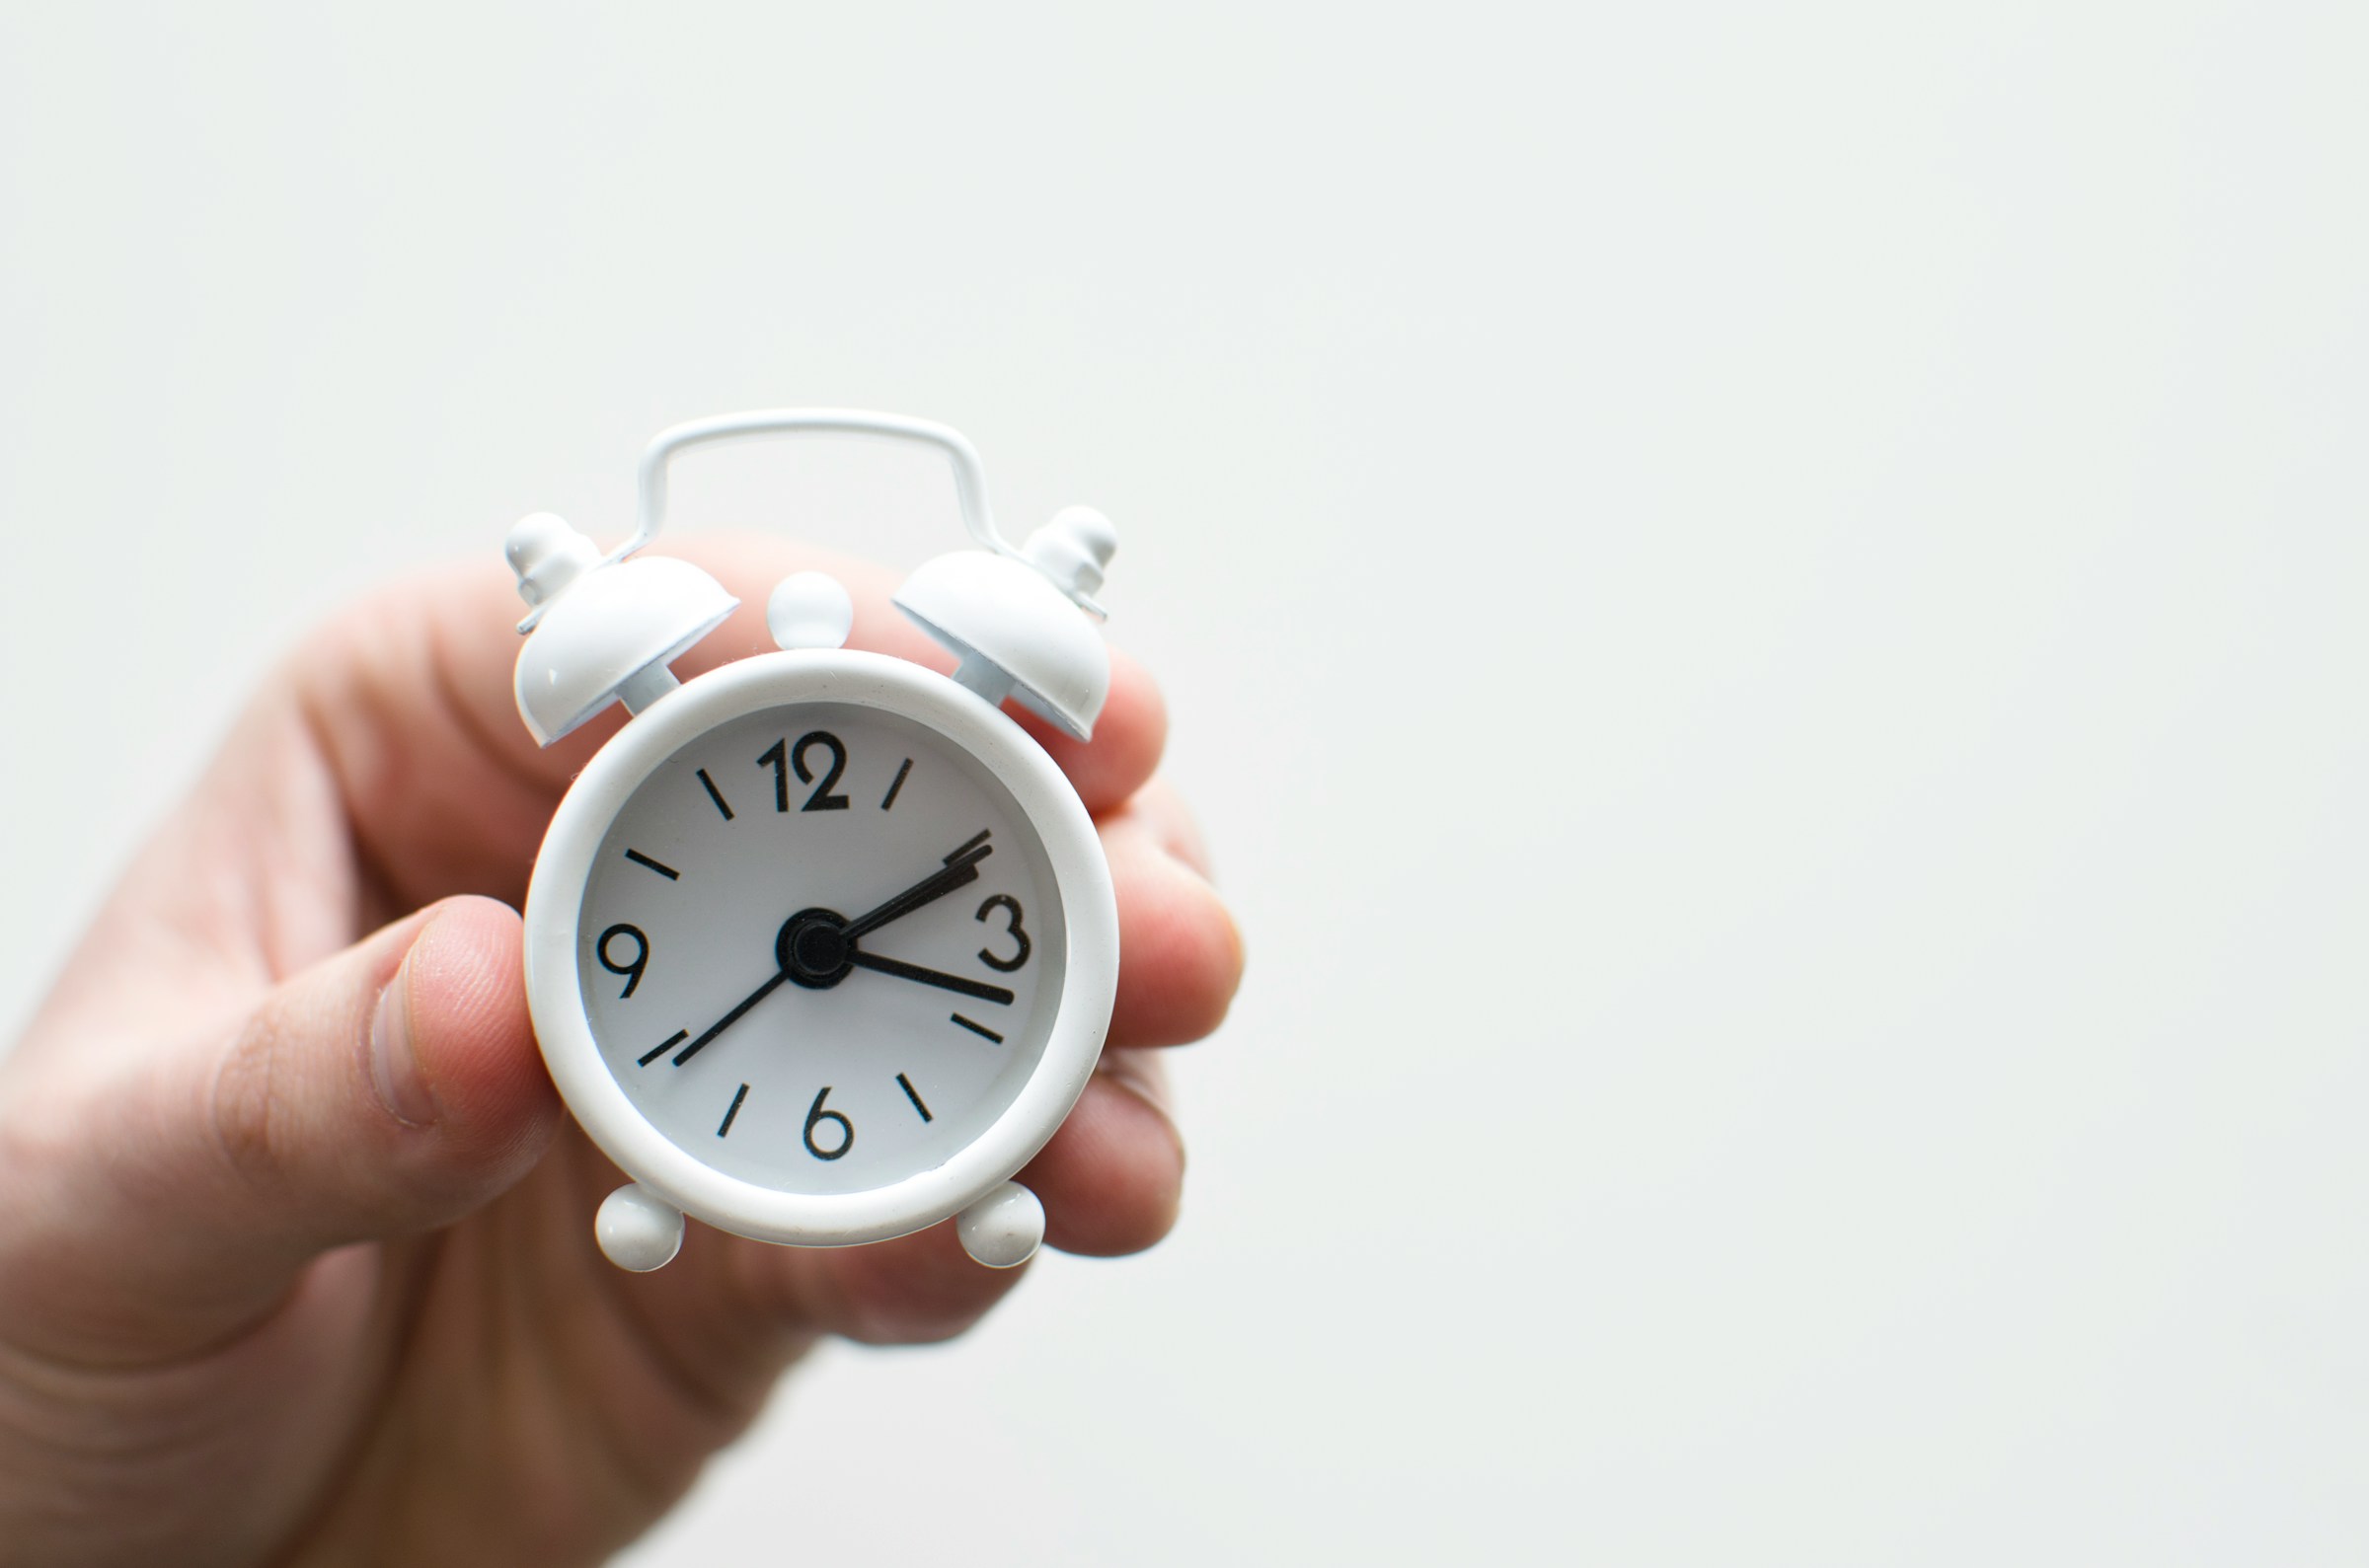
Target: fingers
(410, 692)
(916, 1290)
(1114, 1176)
(1181, 956)
(1127, 738)
(384, 1090)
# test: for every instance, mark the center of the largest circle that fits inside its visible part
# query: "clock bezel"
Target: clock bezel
(1081, 880)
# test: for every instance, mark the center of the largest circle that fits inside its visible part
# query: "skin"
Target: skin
(250, 1313)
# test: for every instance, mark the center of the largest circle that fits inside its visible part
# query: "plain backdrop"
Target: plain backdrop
(1764, 607)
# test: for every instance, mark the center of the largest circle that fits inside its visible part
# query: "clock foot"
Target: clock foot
(639, 1229)
(1003, 1228)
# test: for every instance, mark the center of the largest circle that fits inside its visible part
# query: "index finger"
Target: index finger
(410, 700)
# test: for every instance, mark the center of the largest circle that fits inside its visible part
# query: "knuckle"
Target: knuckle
(248, 1103)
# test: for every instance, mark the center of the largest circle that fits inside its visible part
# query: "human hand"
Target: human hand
(296, 1255)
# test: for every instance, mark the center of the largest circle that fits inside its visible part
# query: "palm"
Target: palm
(482, 1385)
(531, 1403)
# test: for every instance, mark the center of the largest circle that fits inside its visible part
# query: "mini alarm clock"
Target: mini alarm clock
(821, 947)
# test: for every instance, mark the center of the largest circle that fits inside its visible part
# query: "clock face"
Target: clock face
(819, 949)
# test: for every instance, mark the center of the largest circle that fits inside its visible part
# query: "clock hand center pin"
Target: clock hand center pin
(816, 947)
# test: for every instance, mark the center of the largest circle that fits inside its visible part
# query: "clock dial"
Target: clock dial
(819, 949)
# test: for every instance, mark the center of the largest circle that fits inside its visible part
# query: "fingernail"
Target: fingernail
(394, 1065)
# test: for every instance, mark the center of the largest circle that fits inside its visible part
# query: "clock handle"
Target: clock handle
(970, 476)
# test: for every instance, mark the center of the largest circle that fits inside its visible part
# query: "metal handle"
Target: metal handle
(971, 476)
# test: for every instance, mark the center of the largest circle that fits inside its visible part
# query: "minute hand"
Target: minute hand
(729, 1019)
(963, 868)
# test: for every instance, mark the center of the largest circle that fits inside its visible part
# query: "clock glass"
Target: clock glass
(820, 947)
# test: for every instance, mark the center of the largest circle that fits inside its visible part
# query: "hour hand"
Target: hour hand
(931, 977)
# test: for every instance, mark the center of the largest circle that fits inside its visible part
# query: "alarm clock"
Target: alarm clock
(820, 946)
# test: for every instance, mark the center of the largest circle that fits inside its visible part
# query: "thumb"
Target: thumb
(390, 1088)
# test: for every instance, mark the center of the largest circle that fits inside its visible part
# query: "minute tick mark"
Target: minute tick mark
(661, 1048)
(664, 869)
(716, 795)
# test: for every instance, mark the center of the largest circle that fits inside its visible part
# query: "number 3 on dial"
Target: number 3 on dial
(1006, 901)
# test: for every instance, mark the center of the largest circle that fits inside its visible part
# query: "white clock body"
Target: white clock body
(876, 1087)
(821, 947)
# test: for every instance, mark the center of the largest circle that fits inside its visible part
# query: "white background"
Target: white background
(1764, 606)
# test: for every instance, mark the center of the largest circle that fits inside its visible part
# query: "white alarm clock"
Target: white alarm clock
(821, 947)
